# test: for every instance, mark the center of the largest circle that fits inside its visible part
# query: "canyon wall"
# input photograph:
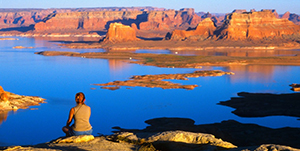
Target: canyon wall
(100, 20)
(255, 25)
(151, 21)
(243, 25)
(203, 30)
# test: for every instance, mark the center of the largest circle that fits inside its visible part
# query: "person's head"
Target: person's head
(79, 98)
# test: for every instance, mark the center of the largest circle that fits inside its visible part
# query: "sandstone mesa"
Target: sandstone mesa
(120, 33)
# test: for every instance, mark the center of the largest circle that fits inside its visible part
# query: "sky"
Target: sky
(212, 6)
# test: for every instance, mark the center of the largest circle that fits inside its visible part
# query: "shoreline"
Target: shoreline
(173, 45)
(177, 61)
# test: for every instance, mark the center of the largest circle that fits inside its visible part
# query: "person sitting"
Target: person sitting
(81, 114)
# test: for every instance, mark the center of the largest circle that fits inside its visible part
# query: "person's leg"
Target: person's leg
(66, 131)
(89, 132)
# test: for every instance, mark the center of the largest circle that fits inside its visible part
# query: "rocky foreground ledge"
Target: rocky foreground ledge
(11, 101)
(180, 134)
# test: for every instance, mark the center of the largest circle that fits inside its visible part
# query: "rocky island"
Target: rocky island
(156, 80)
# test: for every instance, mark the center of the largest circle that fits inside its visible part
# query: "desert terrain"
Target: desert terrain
(121, 31)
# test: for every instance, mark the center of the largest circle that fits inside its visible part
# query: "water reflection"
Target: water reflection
(239, 53)
(252, 73)
(3, 116)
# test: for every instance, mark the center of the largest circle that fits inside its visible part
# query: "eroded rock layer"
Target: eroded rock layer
(204, 29)
(255, 25)
(100, 20)
(119, 33)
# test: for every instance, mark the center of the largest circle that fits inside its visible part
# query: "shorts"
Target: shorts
(76, 133)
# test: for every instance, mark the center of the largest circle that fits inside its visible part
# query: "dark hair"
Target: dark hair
(79, 97)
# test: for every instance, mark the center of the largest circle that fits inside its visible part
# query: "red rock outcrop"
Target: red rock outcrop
(120, 33)
(294, 18)
(255, 25)
(203, 30)
(3, 95)
(91, 21)
(100, 20)
(170, 19)
(10, 18)
(286, 15)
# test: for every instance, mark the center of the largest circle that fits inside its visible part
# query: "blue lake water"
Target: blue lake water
(58, 79)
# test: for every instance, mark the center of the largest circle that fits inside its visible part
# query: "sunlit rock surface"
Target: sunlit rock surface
(120, 33)
(255, 25)
(75, 139)
(190, 138)
(10, 101)
(203, 30)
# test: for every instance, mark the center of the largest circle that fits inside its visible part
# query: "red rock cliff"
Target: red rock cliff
(204, 29)
(170, 19)
(255, 25)
(100, 20)
(120, 33)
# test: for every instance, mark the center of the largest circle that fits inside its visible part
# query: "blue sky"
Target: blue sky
(213, 6)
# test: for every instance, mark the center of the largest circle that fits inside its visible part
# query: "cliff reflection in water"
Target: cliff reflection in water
(239, 53)
(3, 116)
(117, 66)
(252, 73)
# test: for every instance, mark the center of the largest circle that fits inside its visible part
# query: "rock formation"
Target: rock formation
(166, 20)
(75, 139)
(120, 33)
(153, 81)
(100, 20)
(294, 18)
(10, 101)
(3, 95)
(255, 25)
(203, 30)
(150, 22)
(207, 140)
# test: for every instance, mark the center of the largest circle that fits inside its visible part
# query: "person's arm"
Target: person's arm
(71, 114)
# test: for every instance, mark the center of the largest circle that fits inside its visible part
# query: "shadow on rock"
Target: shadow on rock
(264, 104)
(232, 131)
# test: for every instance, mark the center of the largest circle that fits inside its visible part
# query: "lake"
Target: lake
(59, 78)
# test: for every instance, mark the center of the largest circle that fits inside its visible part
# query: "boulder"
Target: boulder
(120, 33)
(190, 138)
(173, 140)
(273, 147)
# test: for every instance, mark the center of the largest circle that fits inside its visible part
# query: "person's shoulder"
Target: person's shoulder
(87, 106)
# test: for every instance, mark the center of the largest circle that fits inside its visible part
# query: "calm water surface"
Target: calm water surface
(58, 79)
